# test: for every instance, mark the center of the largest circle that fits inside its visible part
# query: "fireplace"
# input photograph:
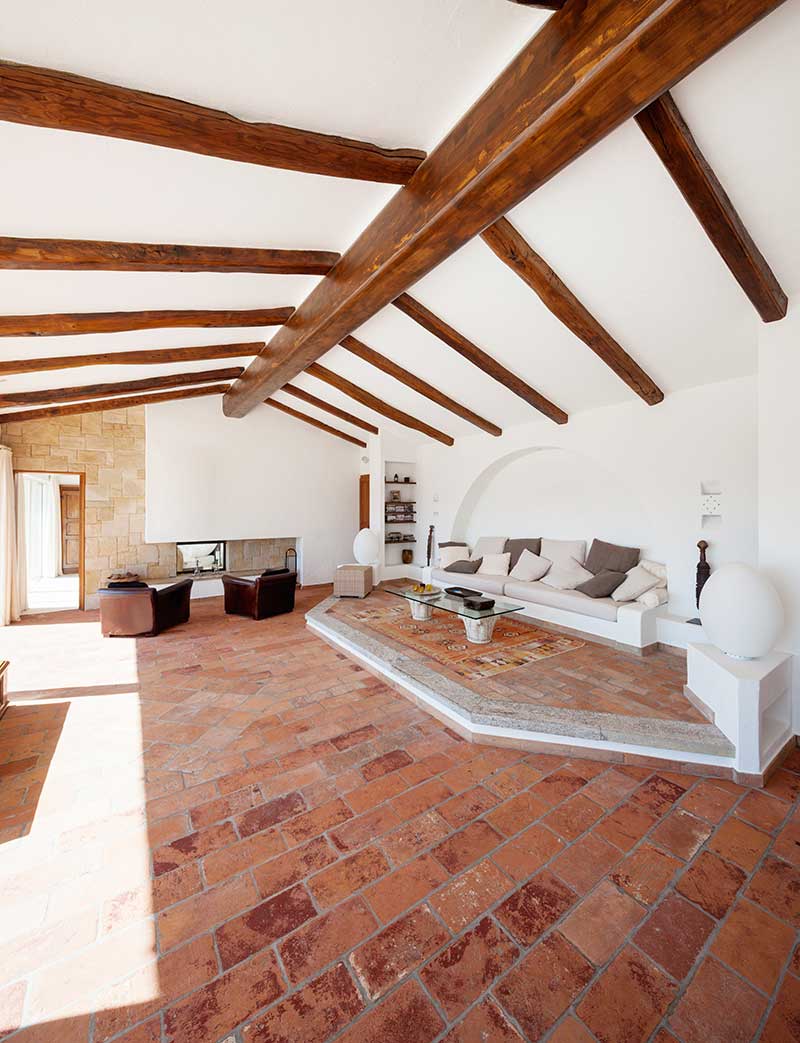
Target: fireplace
(201, 556)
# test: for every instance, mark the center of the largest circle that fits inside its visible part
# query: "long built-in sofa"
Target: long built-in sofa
(629, 621)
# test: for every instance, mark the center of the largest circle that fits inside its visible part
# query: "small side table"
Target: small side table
(4, 664)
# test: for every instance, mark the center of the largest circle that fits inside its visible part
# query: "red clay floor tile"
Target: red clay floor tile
(628, 1000)
(755, 944)
(674, 935)
(544, 984)
(468, 967)
(399, 949)
(717, 1005)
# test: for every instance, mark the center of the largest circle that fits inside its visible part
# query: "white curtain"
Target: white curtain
(22, 549)
(51, 528)
(9, 578)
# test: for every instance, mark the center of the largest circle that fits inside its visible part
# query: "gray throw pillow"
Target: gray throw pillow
(603, 584)
(609, 557)
(466, 567)
(516, 547)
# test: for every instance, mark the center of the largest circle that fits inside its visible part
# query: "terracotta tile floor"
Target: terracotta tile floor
(231, 832)
(594, 677)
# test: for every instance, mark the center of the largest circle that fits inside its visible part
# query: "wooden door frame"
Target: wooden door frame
(82, 526)
(363, 480)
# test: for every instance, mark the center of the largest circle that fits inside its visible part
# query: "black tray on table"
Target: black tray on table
(462, 592)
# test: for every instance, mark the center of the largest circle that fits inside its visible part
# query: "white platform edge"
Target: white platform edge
(480, 731)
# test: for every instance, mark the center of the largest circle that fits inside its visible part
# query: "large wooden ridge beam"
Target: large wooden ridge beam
(117, 321)
(668, 133)
(85, 255)
(143, 357)
(125, 402)
(312, 400)
(314, 422)
(505, 241)
(589, 68)
(89, 391)
(376, 404)
(46, 98)
(363, 351)
(472, 353)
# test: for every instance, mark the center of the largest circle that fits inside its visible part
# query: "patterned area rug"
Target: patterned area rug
(513, 644)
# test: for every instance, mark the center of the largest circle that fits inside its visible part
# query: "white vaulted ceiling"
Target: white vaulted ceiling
(613, 225)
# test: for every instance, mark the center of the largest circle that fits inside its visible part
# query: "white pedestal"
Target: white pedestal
(420, 610)
(750, 700)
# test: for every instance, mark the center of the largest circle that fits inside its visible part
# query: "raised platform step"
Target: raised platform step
(522, 724)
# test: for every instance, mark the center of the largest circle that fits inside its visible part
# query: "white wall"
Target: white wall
(268, 475)
(629, 474)
(779, 471)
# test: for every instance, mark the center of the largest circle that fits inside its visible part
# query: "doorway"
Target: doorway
(51, 547)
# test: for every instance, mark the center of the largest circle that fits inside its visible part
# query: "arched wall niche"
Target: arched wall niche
(559, 493)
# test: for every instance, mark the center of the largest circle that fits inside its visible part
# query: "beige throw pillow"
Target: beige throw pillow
(561, 552)
(494, 565)
(448, 555)
(566, 576)
(530, 567)
(637, 582)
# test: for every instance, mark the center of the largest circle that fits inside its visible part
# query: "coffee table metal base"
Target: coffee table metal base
(421, 611)
(479, 631)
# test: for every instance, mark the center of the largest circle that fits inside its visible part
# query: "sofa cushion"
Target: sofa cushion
(453, 543)
(602, 585)
(489, 545)
(466, 568)
(609, 557)
(568, 600)
(485, 584)
(566, 575)
(530, 567)
(516, 547)
(637, 582)
(560, 551)
(495, 564)
(653, 598)
(452, 552)
(658, 570)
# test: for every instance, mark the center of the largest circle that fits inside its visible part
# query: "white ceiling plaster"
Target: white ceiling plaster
(613, 225)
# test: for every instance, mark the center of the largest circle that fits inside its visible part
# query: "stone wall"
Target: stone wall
(109, 448)
(256, 555)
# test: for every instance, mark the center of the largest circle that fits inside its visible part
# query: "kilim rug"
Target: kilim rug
(513, 644)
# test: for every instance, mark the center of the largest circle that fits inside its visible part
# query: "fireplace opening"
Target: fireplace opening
(197, 557)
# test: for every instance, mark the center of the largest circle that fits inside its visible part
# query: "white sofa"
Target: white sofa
(628, 623)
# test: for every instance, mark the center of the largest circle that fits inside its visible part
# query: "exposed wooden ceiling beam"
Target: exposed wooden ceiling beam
(667, 131)
(589, 68)
(89, 391)
(472, 353)
(314, 422)
(85, 255)
(547, 5)
(376, 404)
(505, 241)
(117, 321)
(46, 98)
(380, 362)
(312, 400)
(125, 402)
(144, 357)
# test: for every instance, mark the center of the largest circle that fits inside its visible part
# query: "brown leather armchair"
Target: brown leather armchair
(268, 595)
(139, 611)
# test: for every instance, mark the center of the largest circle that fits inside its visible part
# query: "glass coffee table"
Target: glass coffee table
(478, 623)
